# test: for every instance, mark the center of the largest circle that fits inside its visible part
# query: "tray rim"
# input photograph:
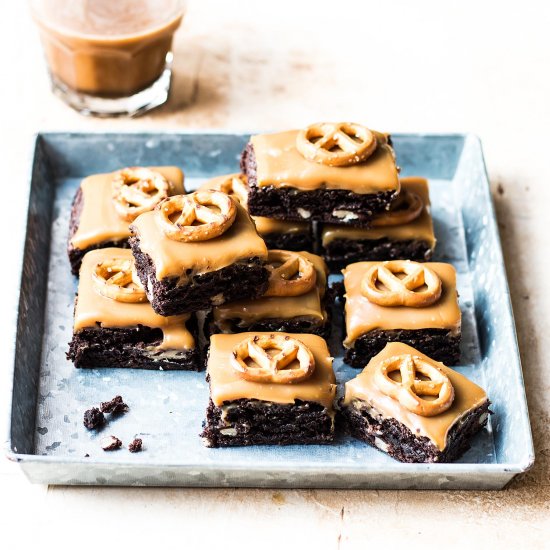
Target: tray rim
(500, 468)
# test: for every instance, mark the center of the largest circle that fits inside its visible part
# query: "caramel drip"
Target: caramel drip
(227, 385)
(180, 259)
(264, 226)
(306, 306)
(99, 221)
(363, 390)
(280, 164)
(420, 229)
(363, 316)
(92, 308)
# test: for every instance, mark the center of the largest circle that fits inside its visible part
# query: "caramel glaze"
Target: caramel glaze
(99, 221)
(362, 391)
(420, 229)
(280, 164)
(267, 226)
(185, 259)
(94, 310)
(264, 226)
(227, 385)
(307, 306)
(362, 316)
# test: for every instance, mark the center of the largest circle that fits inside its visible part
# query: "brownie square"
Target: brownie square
(308, 312)
(385, 240)
(433, 329)
(94, 221)
(112, 333)
(278, 234)
(243, 412)
(285, 185)
(181, 277)
(417, 430)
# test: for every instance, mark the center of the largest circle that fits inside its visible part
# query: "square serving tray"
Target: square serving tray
(49, 395)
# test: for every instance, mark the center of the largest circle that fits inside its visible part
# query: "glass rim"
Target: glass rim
(47, 23)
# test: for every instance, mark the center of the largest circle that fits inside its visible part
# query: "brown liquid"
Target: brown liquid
(107, 48)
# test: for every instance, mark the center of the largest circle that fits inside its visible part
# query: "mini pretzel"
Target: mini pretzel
(290, 273)
(138, 190)
(405, 209)
(272, 369)
(336, 144)
(401, 292)
(236, 186)
(410, 389)
(195, 208)
(117, 279)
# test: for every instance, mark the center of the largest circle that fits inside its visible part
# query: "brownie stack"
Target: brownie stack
(342, 180)
(328, 173)
(137, 309)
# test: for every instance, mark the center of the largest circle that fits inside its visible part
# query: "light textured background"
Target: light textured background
(464, 66)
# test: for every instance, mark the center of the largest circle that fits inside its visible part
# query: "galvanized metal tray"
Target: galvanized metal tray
(49, 396)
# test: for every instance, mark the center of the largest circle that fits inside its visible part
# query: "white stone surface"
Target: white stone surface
(480, 67)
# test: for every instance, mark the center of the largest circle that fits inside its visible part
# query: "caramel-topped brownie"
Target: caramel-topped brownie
(296, 300)
(277, 234)
(405, 232)
(196, 251)
(340, 173)
(115, 326)
(414, 408)
(401, 301)
(269, 389)
(106, 204)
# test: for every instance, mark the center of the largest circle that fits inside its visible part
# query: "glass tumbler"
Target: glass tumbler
(109, 57)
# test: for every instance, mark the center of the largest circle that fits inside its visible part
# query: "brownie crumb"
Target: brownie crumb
(93, 418)
(86, 455)
(135, 446)
(115, 406)
(111, 443)
(500, 189)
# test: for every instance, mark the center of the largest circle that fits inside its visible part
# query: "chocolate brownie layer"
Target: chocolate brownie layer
(130, 348)
(341, 252)
(400, 443)
(76, 254)
(235, 282)
(274, 325)
(319, 205)
(296, 326)
(253, 422)
(439, 344)
(289, 241)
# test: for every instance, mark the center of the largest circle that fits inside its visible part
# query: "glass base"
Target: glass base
(153, 96)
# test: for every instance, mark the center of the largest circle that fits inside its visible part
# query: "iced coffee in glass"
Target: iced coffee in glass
(109, 57)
